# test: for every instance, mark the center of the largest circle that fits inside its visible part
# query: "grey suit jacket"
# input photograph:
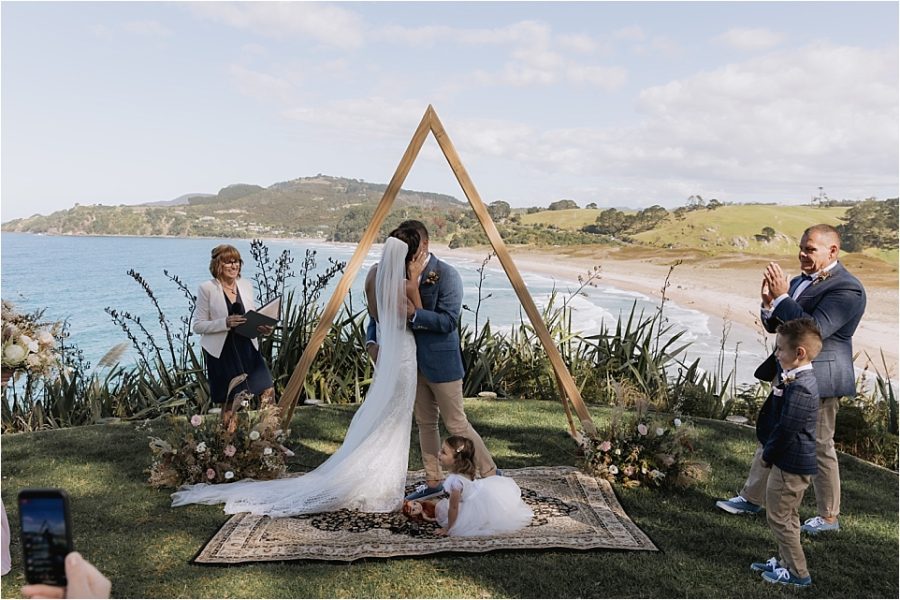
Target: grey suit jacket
(836, 304)
(436, 324)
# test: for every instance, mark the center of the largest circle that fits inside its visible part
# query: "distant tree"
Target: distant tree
(647, 219)
(499, 210)
(563, 205)
(592, 205)
(680, 212)
(821, 198)
(768, 233)
(613, 222)
(713, 204)
(870, 224)
(533, 209)
(696, 202)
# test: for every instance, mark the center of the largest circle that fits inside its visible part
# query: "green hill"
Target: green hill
(303, 207)
(737, 226)
(571, 218)
(729, 226)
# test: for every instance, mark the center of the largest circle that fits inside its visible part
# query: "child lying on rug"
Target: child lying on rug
(486, 506)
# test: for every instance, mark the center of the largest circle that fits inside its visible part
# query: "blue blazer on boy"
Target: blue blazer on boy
(786, 426)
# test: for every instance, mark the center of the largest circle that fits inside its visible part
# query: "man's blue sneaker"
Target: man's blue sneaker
(785, 577)
(424, 492)
(817, 525)
(498, 472)
(767, 567)
(739, 506)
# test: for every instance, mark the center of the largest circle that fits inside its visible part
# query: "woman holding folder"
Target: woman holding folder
(230, 356)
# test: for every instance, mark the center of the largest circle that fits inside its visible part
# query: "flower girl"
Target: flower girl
(488, 506)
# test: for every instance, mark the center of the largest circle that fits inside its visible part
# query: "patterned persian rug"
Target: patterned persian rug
(571, 510)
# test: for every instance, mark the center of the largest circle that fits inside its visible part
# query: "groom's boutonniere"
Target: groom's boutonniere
(432, 278)
(822, 277)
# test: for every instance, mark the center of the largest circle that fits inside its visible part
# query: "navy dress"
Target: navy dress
(238, 356)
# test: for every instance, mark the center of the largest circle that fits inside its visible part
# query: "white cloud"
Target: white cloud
(608, 78)
(750, 39)
(819, 115)
(577, 42)
(363, 118)
(630, 34)
(149, 28)
(327, 24)
(261, 85)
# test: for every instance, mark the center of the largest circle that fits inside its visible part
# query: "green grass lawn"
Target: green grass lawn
(144, 546)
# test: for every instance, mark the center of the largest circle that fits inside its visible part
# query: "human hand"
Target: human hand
(410, 309)
(777, 280)
(417, 264)
(766, 294)
(233, 321)
(84, 581)
(441, 531)
(372, 349)
(265, 330)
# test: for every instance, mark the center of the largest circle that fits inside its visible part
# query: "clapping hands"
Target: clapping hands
(774, 284)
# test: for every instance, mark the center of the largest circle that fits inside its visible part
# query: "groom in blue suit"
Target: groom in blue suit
(439, 388)
(836, 300)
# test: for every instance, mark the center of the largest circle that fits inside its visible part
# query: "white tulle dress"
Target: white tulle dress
(488, 506)
(368, 471)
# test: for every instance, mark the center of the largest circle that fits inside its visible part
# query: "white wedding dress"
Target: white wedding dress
(368, 471)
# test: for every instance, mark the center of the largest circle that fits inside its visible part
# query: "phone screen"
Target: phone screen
(46, 535)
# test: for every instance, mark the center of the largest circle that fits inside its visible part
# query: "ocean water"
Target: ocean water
(75, 278)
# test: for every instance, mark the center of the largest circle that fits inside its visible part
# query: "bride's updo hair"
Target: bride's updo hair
(411, 237)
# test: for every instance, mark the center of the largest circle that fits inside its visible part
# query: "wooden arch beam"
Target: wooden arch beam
(430, 122)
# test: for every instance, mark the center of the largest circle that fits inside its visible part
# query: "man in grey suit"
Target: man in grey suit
(836, 300)
(439, 387)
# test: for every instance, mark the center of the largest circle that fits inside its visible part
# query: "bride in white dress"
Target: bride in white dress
(368, 471)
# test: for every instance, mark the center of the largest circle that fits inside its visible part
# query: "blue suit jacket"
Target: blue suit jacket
(788, 431)
(836, 304)
(436, 324)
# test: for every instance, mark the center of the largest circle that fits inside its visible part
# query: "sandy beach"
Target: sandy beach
(725, 288)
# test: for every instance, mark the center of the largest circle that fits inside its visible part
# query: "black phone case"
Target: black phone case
(49, 569)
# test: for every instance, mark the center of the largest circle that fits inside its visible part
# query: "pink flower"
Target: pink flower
(605, 446)
(196, 420)
(642, 429)
(210, 474)
(230, 450)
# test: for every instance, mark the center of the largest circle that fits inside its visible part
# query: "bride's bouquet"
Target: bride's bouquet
(29, 344)
(203, 450)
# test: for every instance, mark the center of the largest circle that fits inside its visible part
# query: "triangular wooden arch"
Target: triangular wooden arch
(430, 122)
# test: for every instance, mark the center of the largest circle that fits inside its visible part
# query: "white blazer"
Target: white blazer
(211, 312)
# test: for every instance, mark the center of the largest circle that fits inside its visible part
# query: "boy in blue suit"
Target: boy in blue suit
(786, 428)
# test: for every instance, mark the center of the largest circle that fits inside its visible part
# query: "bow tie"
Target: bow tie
(786, 379)
(806, 277)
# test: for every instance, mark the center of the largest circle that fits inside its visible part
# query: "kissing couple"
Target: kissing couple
(414, 302)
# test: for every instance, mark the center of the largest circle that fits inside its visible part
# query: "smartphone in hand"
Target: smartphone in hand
(46, 534)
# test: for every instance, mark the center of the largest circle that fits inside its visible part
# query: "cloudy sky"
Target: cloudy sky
(622, 104)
